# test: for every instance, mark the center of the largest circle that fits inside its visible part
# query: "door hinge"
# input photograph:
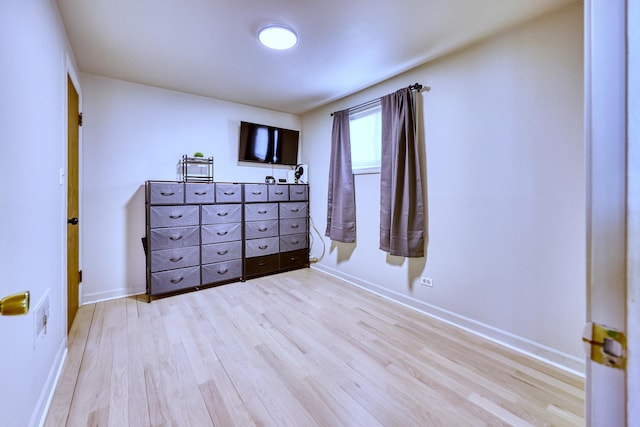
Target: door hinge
(80, 276)
(607, 346)
(79, 119)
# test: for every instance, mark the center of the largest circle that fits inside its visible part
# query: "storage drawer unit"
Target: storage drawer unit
(211, 233)
(270, 249)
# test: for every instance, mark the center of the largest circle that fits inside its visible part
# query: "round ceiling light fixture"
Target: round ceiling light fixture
(278, 36)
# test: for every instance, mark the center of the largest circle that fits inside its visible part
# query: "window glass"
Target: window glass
(364, 125)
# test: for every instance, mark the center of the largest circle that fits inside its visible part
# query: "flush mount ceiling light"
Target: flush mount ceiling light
(278, 37)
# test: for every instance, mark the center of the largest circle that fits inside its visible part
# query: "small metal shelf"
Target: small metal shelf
(195, 169)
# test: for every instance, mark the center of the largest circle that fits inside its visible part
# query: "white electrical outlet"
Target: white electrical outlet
(40, 319)
(426, 281)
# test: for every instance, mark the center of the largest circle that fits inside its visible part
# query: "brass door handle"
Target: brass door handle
(14, 305)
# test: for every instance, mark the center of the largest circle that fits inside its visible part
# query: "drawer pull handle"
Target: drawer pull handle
(225, 271)
(226, 251)
(279, 193)
(174, 281)
(263, 247)
(294, 226)
(167, 194)
(263, 229)
(176, 259)
(293, 259)
(295, 242)
(262, 264)
(175, 216)
(256, 193)
(262, 212)
(300, 192)
(223, 213)
(222, 233)
(229, 193)
(295, 210)
(200, 193)
(175, 238)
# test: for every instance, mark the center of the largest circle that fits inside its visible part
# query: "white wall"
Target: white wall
(505, 169)
(33, 69)
(133, 133)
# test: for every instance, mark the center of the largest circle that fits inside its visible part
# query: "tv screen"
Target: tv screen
(268, 144)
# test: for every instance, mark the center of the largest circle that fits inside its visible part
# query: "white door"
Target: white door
(611, 255)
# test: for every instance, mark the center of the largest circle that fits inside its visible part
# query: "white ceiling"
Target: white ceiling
(210, 48)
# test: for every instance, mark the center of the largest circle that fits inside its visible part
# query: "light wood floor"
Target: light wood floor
(296, 349)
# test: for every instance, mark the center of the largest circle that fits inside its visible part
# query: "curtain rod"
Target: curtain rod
(415, 86)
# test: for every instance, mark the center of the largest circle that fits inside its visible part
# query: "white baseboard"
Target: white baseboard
(39, 415)
(567, 362)
(108, 295)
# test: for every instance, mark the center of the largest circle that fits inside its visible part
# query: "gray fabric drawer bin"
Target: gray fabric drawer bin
(293, 210)
(293, 242)
(298, 192)
(278, 193)
(221, 271)
(259, 247)
(173, 216)
(260, 211)
(260, 229)
(167, 259)
(176, 237)
(293, 225)
(219, 252)
(216, 214)
(228, 193)
(255, 193)
(166, 193)
(173, 280)
(199, 193)
(217, 233)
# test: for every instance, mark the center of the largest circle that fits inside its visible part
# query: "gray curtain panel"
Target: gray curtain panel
(401, 206)
(341, 204)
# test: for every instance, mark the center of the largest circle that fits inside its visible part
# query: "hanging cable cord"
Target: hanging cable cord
(416, 86)
(312, 258)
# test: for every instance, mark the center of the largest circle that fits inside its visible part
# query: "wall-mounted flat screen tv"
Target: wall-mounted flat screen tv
(268, 144)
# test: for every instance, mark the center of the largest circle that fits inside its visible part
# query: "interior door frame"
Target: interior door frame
(72, 74)
(613, 208)
(633, 212)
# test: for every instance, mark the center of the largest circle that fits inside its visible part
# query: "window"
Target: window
(364, 126)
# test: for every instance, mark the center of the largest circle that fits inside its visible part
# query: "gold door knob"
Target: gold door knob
(14, 305)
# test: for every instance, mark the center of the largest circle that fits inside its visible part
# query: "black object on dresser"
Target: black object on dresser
(201, 234)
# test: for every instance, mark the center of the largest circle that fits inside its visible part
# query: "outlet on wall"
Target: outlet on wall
(426, 281)
(40, 319)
